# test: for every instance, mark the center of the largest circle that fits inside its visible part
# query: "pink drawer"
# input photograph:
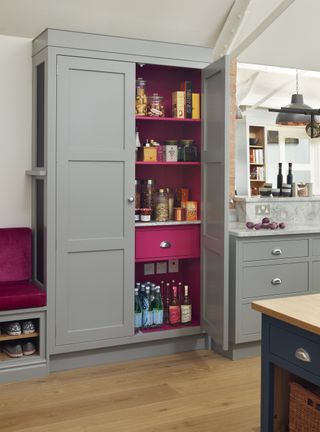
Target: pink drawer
(162, 243)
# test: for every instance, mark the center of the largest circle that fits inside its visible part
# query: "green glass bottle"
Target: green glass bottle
(157, 308)
(137, 311)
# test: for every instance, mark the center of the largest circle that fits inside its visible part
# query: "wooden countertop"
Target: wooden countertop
(300, 311)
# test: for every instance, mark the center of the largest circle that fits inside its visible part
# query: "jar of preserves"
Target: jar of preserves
(161, 206)
(141, 97)
(145, 214)
(147, 193)
(155, 106)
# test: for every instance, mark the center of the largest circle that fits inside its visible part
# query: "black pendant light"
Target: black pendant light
(294, 118)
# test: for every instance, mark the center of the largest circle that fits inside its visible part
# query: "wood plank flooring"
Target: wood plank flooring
(188, 392)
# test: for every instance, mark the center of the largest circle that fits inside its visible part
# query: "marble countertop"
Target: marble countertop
(239, 229)
(300, 311)
(258, 199)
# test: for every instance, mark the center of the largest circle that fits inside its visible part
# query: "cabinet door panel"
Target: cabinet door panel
(95, 220)
(215, 192)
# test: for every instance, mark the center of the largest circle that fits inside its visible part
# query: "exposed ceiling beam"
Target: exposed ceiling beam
(231, 28)
(272, 93)
(276, 13)
(249, 83)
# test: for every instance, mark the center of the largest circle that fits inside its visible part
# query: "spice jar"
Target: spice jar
(145, 214)
(147, 193)
(155, 106)
(161, 206)
(141, 97)
(137, 194)
(190, 151)
(171, 203)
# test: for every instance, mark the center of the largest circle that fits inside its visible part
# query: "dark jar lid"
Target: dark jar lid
(186, 141)
(171, 142)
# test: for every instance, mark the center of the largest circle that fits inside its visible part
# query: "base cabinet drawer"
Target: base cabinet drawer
(157, 243)
(298, 350)
(275, 249)
(315, 276)
(261, 281)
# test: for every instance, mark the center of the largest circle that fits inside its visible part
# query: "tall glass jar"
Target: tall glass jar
(141, 97)
(161, 206)
(147, 193)
(155, 106)
(170, 193)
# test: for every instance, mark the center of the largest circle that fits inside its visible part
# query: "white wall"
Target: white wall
(15, 131)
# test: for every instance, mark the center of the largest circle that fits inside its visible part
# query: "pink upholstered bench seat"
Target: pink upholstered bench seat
(21, 295)
(16, 289)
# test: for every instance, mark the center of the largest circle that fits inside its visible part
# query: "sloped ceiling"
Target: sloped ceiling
(181, 21)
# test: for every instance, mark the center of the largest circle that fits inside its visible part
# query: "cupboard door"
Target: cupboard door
(215, 208)
(95, 211)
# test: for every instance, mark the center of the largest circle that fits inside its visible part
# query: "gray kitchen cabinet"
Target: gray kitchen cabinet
(84, 96)
(266, 267)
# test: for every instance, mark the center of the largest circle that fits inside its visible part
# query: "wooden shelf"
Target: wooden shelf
(5, 357)
(169, 163)
(257, 181)
(256, 147)
(7, 337)
(172, 119)
(256, 164)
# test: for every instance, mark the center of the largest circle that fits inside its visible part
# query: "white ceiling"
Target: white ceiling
(181, 21)
(291, 41)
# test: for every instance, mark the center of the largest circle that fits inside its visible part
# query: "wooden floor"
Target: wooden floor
(190, 392)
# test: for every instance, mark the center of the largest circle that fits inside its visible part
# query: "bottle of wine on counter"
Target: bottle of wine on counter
(280, 178)
(186, 307)
(290, 176)
(174, 308)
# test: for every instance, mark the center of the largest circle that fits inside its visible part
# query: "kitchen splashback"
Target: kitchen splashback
(290, 210)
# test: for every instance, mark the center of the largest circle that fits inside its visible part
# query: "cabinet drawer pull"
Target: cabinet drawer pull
(276, 281)
(277, 252)
(303, 355)
(165, 244)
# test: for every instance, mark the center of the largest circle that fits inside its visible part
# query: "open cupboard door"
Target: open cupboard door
(215, 206)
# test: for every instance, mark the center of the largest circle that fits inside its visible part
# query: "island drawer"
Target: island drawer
(267, 280)
(275, 249)
(294, 348)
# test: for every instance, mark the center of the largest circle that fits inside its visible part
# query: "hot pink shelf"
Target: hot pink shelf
(174, 119)
(169, 163)
(166, 327)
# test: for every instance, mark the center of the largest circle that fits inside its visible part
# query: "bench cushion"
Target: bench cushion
(21, 295)
(15, 254)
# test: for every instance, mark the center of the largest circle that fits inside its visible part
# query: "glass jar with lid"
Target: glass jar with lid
(147, 193)
(190, 150)
(155, 105)
(170, 193)
(141, 97)
(161, 206)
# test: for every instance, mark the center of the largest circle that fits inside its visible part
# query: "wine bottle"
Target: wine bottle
(280, 178)
(290, 176)
(137, 311)
(157, 308)
(186, 307)
(174, 308)
(166, 304)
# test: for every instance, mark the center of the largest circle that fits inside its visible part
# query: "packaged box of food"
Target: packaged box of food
(171, 151)
(178, 104)
(196, 106)
(186, 86)
(191, 210)
(147, 154)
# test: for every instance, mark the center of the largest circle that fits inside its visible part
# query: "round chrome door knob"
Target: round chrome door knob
(131, 199)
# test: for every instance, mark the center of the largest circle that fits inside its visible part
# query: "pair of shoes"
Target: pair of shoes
(15, 328)
(19, 350)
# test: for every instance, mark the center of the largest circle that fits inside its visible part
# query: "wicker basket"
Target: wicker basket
(304, 409)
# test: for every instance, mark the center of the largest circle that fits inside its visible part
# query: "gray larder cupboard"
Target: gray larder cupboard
(84, 156)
